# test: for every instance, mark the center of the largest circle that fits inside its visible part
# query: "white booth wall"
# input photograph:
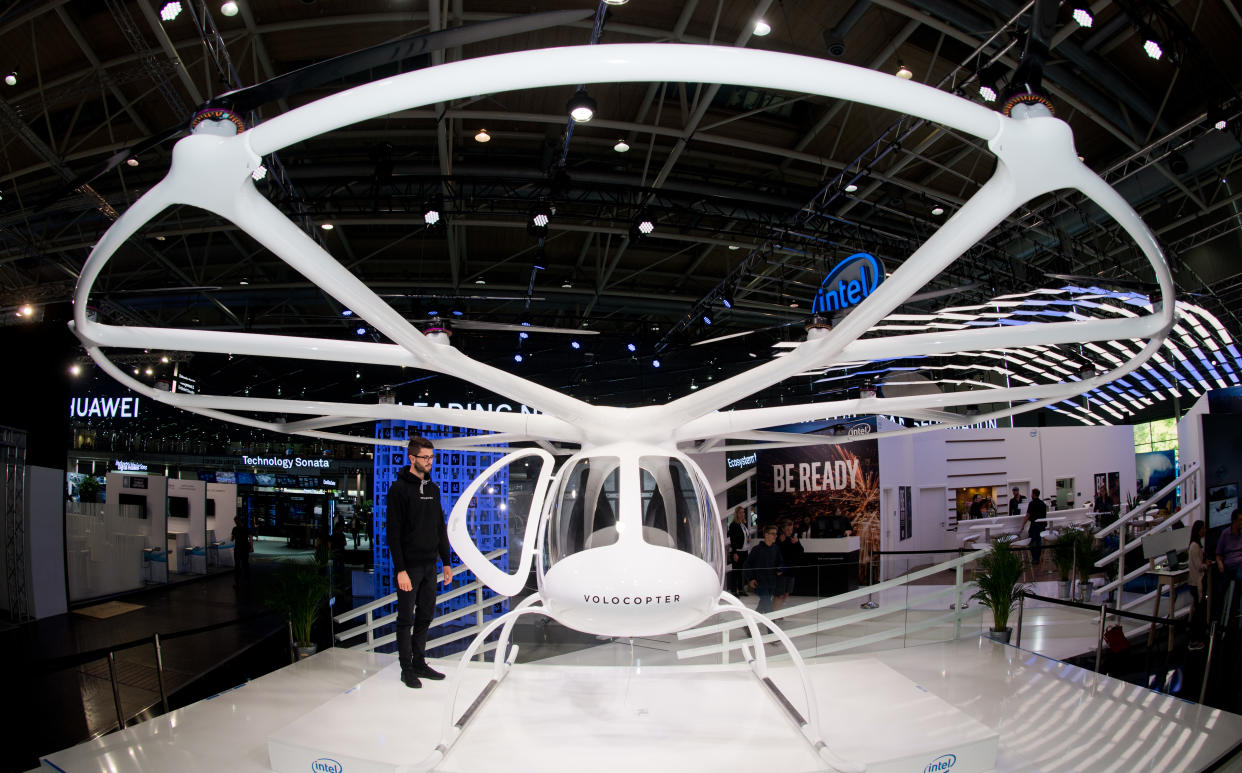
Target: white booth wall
(220, 515)
(105, 552)
(187, 536)
(934, 464)
(1190, 434)
(43, 572)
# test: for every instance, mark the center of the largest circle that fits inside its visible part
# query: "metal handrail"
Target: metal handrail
(372, 622)
(1141, 507)
(958, 592)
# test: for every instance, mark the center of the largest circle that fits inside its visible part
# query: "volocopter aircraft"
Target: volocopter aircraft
(655, 564)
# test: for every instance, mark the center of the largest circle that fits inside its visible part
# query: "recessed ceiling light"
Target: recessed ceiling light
(762, 28)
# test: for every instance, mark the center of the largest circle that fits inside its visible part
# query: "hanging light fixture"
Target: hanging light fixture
(622, 146)
(762, 28)
(170, 11)
(1083, 17)
(537, 221)
(11, 78)
(903, 72)
(229, 8)
(580, 106)
(482, 136)
(1153, 49)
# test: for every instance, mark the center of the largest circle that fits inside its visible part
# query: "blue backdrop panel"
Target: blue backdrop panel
(453, 471)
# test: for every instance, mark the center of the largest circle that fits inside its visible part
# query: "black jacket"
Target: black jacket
(416, 528)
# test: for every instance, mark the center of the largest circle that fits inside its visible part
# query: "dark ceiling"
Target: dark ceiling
(746, 187)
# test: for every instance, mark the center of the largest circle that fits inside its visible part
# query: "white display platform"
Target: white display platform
(575, 718)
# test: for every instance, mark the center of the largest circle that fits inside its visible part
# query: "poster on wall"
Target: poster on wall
(1107, 484)
(904, 519)
(808, 481)
(1222, 465)
(1156, 469)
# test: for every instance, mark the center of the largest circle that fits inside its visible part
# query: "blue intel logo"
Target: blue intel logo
(325, 765)
(849, 283)
(941, 764)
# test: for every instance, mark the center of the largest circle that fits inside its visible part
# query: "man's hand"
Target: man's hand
(403, 582)
(448, 575)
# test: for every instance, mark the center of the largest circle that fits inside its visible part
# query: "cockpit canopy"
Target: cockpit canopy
(660, 499)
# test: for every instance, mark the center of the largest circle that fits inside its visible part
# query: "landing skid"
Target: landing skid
(807, 726)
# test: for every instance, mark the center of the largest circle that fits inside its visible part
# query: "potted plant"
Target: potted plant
(998, 586)
(300, 592)
(1085, 555)
(1063, 559)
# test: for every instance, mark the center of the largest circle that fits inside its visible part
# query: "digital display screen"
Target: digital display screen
(225, 477)
(178, 507)
(287, 481)
(135, 482)
(305, 481)
(207, 475)
(1222, 501)
(264, 479)
(246, 478)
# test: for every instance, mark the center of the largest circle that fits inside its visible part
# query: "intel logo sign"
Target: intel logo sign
(849, 283)
(942, 763)
(325, 765)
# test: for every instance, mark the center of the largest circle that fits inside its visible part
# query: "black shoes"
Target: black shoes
(409, 679)
(427, 672)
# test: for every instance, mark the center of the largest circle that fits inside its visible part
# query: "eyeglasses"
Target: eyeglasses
(425, 456)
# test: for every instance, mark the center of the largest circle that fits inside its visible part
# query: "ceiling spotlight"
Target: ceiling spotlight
(164, 359)
(707, 320)
(170, 11)
(482, 136)
(615, 2)
(1153, 49)
(25, 311)
(75, 370)
(361, 331)
(517, 358)
(11, 78)
(903, 72)
(229, 8)
(523, 335)
(726, 302)
(575, 345)
(131, 161)
(259, 173)
(580, 106)
(988, 93)
(655, 363)
(243, 281)
(537, 223)
(148, 371)
(431, 214)
(646, 226)
(937, 210)
(346, 313)
(734, 247)
(762, 28)
(480, 281)
(793, 304)
(567, 285)
(621, 146)
(1083, 17)
(327, 226)
(1221, 124)
(851, 188)
(631, 347)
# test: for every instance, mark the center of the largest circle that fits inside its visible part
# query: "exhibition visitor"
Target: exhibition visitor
(792, 557)
(764, 570)
(737, 551)
(242, 545)
(1015, 502)
(416, 536)
(976, 507)
(1036, 511)
(1198, 569)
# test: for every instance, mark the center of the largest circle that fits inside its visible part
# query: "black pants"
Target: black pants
(1037, 545)
(734, 575)
(241, 567)
(415, 608)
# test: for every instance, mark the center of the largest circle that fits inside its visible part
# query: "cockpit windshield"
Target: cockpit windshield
(676, 511)
(584, 513)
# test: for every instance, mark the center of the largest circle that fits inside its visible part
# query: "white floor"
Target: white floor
(1048, 716)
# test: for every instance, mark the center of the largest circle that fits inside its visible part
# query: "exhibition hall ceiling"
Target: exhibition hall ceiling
(753, 196)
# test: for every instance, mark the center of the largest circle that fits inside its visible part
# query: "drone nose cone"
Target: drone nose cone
(630, 590)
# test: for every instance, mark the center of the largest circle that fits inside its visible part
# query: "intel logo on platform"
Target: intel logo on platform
(849, 283)
(941, 764)
(325, 765)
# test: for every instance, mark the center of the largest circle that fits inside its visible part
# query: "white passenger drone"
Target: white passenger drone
(648, 558)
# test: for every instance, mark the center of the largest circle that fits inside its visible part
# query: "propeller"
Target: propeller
(249, 98)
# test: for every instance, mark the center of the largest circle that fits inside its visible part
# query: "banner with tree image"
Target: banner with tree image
(809, 481)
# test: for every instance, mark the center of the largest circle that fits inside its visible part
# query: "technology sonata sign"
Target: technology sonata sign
(852, 280)
(284, 462)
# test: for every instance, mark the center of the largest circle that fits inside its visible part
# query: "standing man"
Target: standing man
(1036, 511)
(242, 546)
(416, 536)
(737, 550)
(1015, 502)
(764, 569)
